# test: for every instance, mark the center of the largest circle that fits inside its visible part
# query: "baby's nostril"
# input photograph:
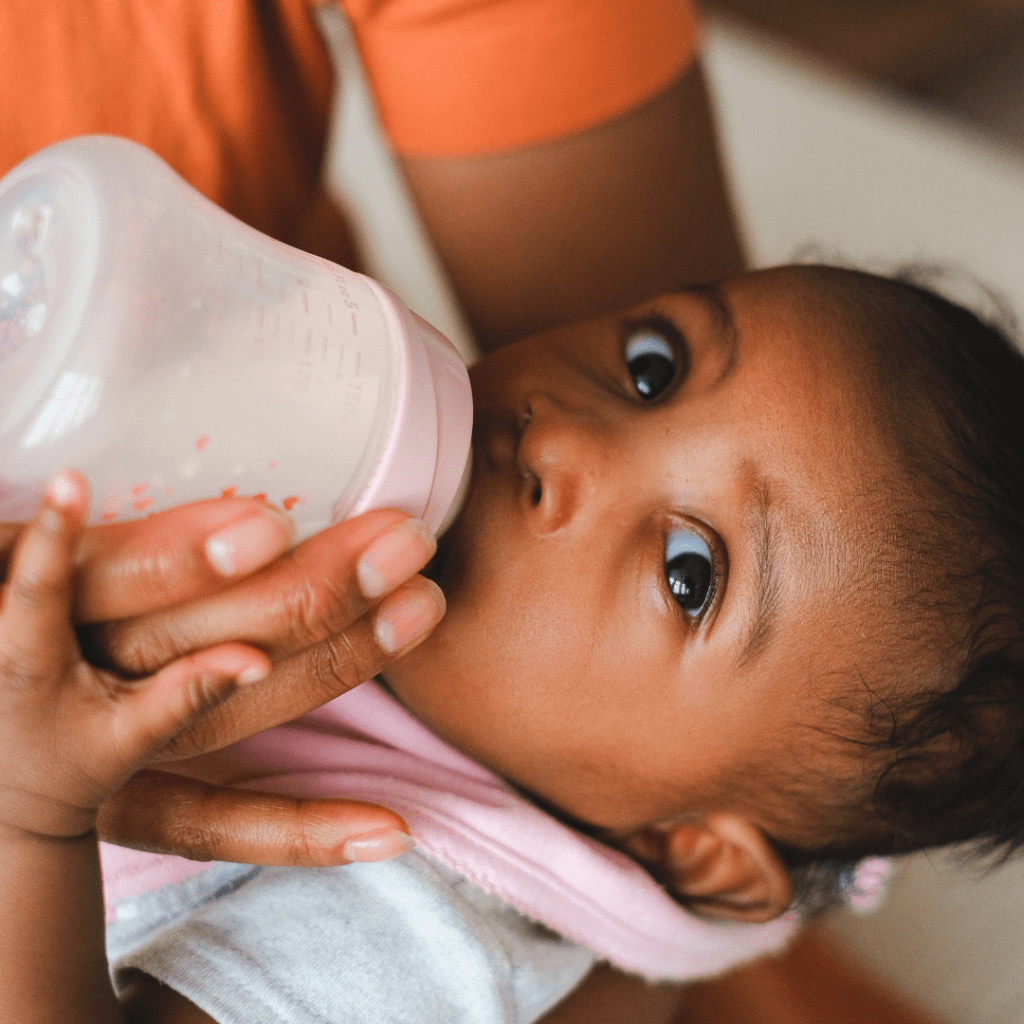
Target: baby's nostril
(535, 493)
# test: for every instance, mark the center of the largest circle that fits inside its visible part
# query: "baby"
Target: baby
(738, 585)
(736, 591)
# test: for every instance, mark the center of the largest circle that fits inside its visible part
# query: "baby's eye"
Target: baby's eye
(650, 356)
(689, 571)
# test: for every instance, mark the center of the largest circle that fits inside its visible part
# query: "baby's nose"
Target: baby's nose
(563, 455)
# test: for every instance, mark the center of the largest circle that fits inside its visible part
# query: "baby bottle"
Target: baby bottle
(172, 353)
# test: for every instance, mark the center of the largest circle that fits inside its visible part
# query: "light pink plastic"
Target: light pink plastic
(173, 353)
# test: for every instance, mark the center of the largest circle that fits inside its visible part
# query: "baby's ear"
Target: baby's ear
(721, 866)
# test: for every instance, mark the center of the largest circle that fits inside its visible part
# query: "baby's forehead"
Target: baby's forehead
(825, 607)
(835, 311)
(815, 286)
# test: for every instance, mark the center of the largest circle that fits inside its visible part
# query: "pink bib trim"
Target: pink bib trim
(364, 745)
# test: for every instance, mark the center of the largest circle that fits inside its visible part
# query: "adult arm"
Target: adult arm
(532, 235)
(600, 219)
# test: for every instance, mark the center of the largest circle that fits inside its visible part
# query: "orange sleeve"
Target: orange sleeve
(455, 77)
(234, 94)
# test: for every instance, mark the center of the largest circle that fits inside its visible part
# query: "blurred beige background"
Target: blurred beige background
(964, 57)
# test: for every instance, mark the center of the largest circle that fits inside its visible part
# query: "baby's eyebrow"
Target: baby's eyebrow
(720, 313)
(766, 589)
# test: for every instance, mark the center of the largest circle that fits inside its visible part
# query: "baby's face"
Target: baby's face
(655, 576)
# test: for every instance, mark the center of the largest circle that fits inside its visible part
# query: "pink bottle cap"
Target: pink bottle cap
(425, 464)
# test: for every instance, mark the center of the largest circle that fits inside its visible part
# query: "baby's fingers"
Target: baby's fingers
(174, 699)
(37, 596)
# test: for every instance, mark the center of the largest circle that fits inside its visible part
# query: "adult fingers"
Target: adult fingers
(316, 591)
(134, 567)
(168, 813)
(317, 673)
(155, 711)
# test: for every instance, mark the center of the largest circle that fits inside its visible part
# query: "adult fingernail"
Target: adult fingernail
(374, 846)
(62, 492)
(408, 616)
(393, 557)
(253, 674)
(249, 543)
(61, 488)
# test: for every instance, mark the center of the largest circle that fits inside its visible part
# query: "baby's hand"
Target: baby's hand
(71, 734)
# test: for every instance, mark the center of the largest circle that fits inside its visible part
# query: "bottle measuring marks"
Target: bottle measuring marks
(307, 353)
(182, 355)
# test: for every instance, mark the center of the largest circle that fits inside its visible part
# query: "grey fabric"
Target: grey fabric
(399, 941)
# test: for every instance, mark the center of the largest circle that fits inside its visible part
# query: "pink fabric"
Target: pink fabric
(364, 745)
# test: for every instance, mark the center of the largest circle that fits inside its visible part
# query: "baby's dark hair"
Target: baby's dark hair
(945, 749)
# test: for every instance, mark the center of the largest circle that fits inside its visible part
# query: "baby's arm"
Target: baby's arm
(70, 735)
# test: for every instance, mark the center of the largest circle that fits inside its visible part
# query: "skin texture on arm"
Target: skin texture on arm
(569, 229)
(607, 996)
(60, 924)
(814, 981)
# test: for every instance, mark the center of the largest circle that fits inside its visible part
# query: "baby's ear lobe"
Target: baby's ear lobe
(721, 866)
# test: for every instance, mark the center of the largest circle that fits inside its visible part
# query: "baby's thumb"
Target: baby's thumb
(180, 694)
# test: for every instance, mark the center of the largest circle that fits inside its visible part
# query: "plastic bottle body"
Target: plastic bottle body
(172, 353)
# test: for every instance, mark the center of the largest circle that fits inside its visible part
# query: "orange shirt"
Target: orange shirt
(235, 94)
(469, 76)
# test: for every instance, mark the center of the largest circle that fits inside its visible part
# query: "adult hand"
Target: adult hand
(330, 613)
